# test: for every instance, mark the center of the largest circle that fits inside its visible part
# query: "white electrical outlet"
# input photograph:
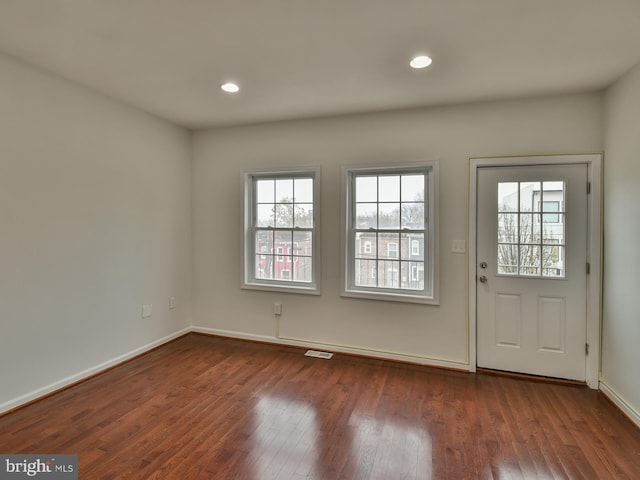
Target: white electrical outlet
(172, 302)
(147, 310)
(277, 308)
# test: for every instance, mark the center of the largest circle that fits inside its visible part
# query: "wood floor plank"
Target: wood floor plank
(211, 408)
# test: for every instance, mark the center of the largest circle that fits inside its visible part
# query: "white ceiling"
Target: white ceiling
(305, 58)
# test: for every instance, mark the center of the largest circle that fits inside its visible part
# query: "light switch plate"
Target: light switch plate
(458, 246)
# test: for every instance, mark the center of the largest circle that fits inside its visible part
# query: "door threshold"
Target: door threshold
(533, 378)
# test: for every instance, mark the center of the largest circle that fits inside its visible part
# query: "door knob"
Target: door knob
(483, 279)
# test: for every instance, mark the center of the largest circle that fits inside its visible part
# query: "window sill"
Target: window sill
(270, 287)
(390, 297)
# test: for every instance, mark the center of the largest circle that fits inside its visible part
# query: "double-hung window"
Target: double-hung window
(390, 234)
(280, 230)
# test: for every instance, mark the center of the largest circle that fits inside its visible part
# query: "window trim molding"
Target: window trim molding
(247, 279)
(405, 296)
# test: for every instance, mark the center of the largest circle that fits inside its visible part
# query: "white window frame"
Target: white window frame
(430, 295)
(249, 255)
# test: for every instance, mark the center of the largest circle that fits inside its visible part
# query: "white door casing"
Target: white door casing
(526, 320)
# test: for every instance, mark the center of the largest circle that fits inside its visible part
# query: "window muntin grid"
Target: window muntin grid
(531, 229)
(283, 229)
(388, 221)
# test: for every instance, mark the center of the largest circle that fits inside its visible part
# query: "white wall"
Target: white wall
(563, 124)
(621, 300)
(94, 222)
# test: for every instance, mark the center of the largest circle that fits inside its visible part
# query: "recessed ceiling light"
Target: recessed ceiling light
(230, 87)
(421, 61)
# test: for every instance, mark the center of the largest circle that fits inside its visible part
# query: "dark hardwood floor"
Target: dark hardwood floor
(211, 408)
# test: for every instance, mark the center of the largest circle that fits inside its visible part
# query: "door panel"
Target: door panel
(551, 324)
(508, 321)
(531, 251)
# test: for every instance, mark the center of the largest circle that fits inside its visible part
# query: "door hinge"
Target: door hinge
(586, 349)
(588, 268)
(588, 188)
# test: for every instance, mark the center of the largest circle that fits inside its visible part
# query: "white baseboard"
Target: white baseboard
(52, 387)
(431, 362)
(628, 410)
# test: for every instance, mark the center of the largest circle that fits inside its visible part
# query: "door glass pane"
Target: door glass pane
(508, 197)
(507, 259)
(550, 206)
(553, 234)
(508, 227)
(553, 193)
(529, 196)
(529, 260)
(531, 229)
(553, 261)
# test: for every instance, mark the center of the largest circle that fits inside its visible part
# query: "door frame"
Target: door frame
(594, 247)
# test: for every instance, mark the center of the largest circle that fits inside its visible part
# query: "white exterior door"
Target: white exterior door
(531, 288)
